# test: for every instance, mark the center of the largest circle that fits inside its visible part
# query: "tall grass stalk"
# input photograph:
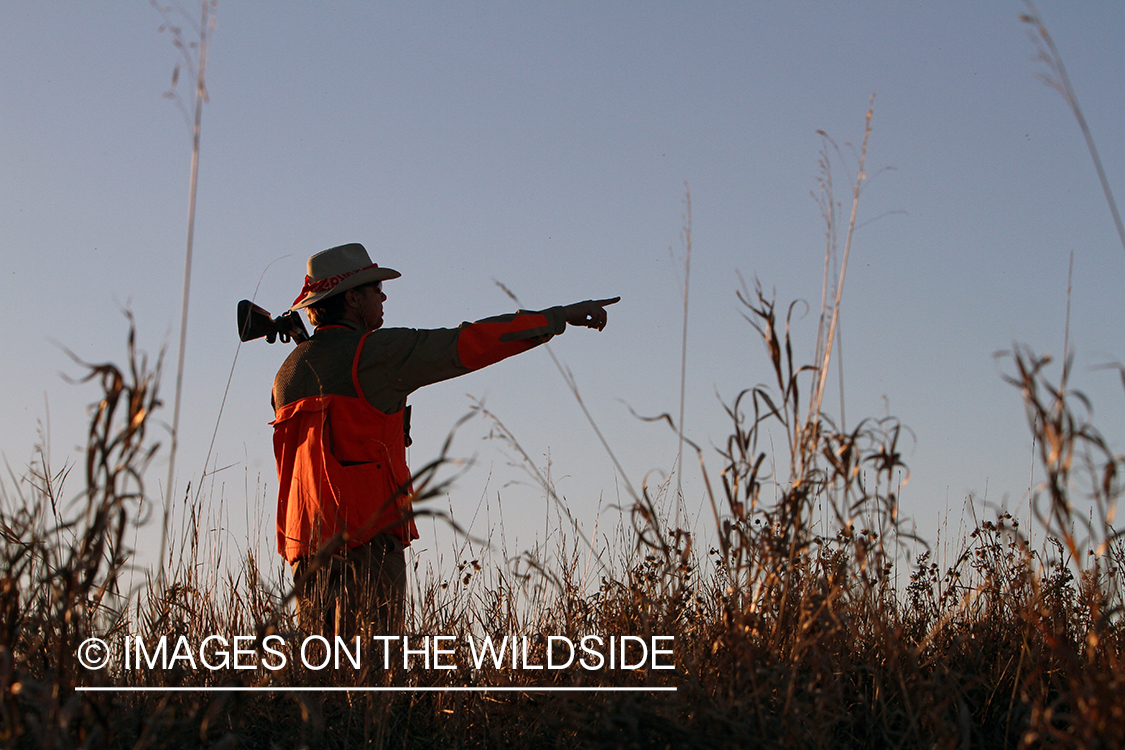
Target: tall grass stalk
(833, 312)
(1056, 77)
(198, 65)
(683, 355)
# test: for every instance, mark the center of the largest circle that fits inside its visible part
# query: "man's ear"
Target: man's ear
(352, 299)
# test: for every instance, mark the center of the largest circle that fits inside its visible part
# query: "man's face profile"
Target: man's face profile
(365, 305)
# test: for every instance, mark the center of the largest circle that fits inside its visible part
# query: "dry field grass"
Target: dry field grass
(783, 637)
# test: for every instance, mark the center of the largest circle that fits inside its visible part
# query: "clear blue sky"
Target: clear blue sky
(547, 146)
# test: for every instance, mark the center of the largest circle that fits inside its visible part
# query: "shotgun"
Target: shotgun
(255, 322)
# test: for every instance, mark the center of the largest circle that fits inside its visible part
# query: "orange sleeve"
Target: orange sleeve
(488, 341)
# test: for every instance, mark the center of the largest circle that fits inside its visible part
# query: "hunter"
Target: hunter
(342, 426)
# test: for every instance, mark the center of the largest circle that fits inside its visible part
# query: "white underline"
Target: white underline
(290, 689)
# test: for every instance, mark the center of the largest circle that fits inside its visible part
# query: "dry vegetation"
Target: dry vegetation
(783, 636)
(789, 628)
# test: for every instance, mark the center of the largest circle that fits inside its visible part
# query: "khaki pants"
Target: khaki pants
(360, 591)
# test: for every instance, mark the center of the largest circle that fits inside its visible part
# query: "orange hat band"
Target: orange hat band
(328, 284)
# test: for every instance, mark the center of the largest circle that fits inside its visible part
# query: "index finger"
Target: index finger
(605, 302)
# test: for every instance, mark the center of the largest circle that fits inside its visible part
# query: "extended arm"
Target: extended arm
(398, 361)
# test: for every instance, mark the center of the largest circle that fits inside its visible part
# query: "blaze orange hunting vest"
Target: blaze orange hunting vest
(341, 467)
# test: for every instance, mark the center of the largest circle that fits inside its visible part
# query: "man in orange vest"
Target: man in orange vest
(343, 508)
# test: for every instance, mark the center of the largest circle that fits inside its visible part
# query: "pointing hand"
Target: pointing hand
(590, 313)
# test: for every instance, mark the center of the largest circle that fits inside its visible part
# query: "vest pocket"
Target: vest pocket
(365, 493)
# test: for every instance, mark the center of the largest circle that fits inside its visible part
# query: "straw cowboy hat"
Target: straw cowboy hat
(337, 270)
